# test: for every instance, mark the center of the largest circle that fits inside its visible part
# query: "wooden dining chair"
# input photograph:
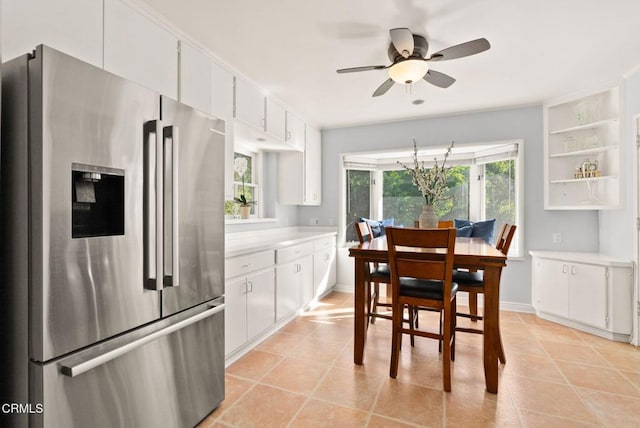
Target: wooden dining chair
(442, 224)
(445, 224)
(473, 284)
(378, 274)
(421, 276)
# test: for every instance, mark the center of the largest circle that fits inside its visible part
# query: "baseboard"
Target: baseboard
(618, 337)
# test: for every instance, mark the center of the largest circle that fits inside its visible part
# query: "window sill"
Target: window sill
(249, 220)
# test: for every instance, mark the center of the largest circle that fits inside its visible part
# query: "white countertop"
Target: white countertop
(240, 243)
(589, 258)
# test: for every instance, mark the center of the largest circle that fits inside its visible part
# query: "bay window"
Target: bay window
(482, 183)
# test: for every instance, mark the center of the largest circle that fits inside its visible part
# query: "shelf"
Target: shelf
(583, 180)
(590, 125)
(584, 152)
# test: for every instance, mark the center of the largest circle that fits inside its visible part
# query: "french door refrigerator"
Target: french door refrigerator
(112, 250)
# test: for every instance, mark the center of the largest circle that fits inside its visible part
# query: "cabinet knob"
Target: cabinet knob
(565, 268)
(573, 270)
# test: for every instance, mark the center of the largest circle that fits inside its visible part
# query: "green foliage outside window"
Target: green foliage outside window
(403, 201)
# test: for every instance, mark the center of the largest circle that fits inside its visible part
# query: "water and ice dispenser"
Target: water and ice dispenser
(97, 202)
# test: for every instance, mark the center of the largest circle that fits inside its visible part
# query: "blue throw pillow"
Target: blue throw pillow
(480, 229)
(386, 222)
(461, 223)
(484, 230)
(464, 231)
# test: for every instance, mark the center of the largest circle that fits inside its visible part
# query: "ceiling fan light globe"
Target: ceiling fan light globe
(408, 71)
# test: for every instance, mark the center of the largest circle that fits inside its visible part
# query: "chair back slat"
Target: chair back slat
(506, 236)
(423, 269)
(363, 231)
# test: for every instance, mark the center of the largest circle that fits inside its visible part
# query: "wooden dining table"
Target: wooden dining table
(469, 253)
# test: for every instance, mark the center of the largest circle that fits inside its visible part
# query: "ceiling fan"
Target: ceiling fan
(409, 62)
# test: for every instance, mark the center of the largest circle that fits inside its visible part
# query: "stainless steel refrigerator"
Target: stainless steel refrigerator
(112, 250)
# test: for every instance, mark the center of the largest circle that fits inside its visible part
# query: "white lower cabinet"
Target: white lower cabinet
(249, 297)
(585, 291)
(294, 278)
(294, 286)
(324, 265)
(265, 289)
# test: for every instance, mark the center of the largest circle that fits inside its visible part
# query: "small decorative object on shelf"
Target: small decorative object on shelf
(432, 183)
(587, 170)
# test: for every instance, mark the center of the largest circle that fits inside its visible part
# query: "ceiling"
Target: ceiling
(540, 49)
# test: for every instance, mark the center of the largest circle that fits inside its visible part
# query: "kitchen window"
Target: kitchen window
(482, 183)
(247, 184)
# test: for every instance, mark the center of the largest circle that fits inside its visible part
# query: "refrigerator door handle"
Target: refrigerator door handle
(172, 272)
(153, 203)
(78, 366)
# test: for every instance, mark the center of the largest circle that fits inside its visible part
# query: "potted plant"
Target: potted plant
(432, 183)
(240, 166)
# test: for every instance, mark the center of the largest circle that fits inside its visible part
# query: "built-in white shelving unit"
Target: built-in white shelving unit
(582, 162)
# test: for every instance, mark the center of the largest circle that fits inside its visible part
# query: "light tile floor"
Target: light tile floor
(304, 376)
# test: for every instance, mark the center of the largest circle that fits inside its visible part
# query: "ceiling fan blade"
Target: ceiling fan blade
(438, 79)
(463, 49)
(402, 40)
(382, 89)
(365, 68)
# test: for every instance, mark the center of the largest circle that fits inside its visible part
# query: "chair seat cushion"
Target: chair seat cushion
(423, 288)
(381, 270)
(468, 278)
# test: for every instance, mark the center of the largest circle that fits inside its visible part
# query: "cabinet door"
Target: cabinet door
(222, 93)
(249, 104)
(287, 289)
(313, 167)
(261, 309)
(195, 78)
(138, 49)
(552, 286)
(588, 294)
(73, 27)
(235, 314)
(324, 271)
(295, 132)
(306, 285)
(275, 125)
(222, 107)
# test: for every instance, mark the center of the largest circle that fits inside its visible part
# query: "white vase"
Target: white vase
(428, 218)
(245, 211)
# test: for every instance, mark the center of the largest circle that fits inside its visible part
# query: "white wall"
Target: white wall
(579, 228)
(617, 228)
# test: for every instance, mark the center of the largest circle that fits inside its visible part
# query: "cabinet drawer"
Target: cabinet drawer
(293, 252)
(240, 265)
(324, 243)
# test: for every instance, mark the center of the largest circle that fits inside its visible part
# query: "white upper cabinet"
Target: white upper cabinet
(196, 78)
(222, 92)
(222, 107)
(77, 31)
(138, 49)
(299, 180)
(294, 135)
(275, 125)
(583, 153)
(249, 104)
(312, 167)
